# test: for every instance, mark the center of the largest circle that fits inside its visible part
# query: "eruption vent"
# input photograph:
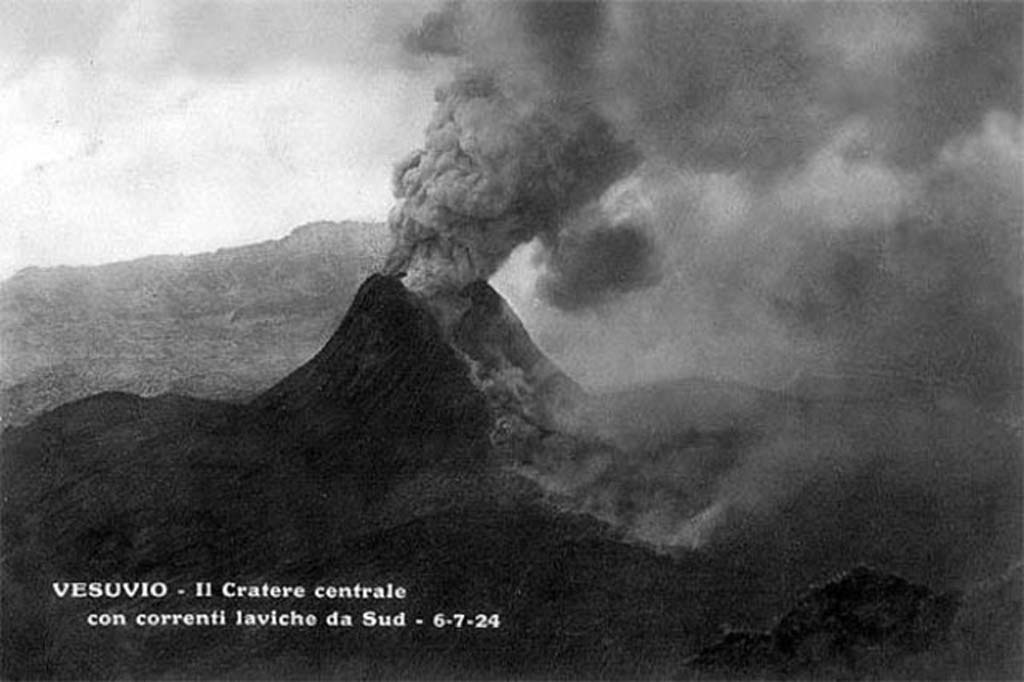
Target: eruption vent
(496, 171)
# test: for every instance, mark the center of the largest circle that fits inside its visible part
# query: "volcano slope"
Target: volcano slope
(379, 461)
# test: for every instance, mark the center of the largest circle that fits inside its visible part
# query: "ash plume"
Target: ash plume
(590, 264)
(512, 152)
(496, 171)
(833, 196)
(735, 92)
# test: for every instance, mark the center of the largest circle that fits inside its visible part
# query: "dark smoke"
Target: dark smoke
(515, 150)
(592, 264)
(499, 167)
(512, 152)
(830, 207)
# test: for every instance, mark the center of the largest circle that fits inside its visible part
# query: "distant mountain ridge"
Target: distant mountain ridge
(224, 324)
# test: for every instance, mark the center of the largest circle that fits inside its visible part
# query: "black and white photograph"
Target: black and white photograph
(511, 340)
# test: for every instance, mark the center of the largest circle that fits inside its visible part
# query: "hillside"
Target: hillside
(217, 325)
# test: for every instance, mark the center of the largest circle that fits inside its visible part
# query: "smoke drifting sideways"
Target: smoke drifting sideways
(594, 259)
(829, 205)
(735, 107)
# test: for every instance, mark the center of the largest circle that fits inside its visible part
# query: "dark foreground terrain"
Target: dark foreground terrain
(375, 463)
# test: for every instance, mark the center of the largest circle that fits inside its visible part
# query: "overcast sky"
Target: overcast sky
(136, 128)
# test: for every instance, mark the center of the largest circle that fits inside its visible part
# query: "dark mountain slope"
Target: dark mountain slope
(387, 368)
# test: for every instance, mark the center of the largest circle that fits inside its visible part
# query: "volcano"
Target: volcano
(391, 365)
(387, 459)
(373, 462)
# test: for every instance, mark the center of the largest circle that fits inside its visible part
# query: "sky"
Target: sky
(135, 128)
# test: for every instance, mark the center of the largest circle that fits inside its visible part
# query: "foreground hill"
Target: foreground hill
(216, 325)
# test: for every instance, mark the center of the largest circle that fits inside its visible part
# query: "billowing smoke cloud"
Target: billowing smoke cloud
(592, 264)
(516, 148)
(829, 206)
(497, 171)
(755, 91)
(799, 157)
